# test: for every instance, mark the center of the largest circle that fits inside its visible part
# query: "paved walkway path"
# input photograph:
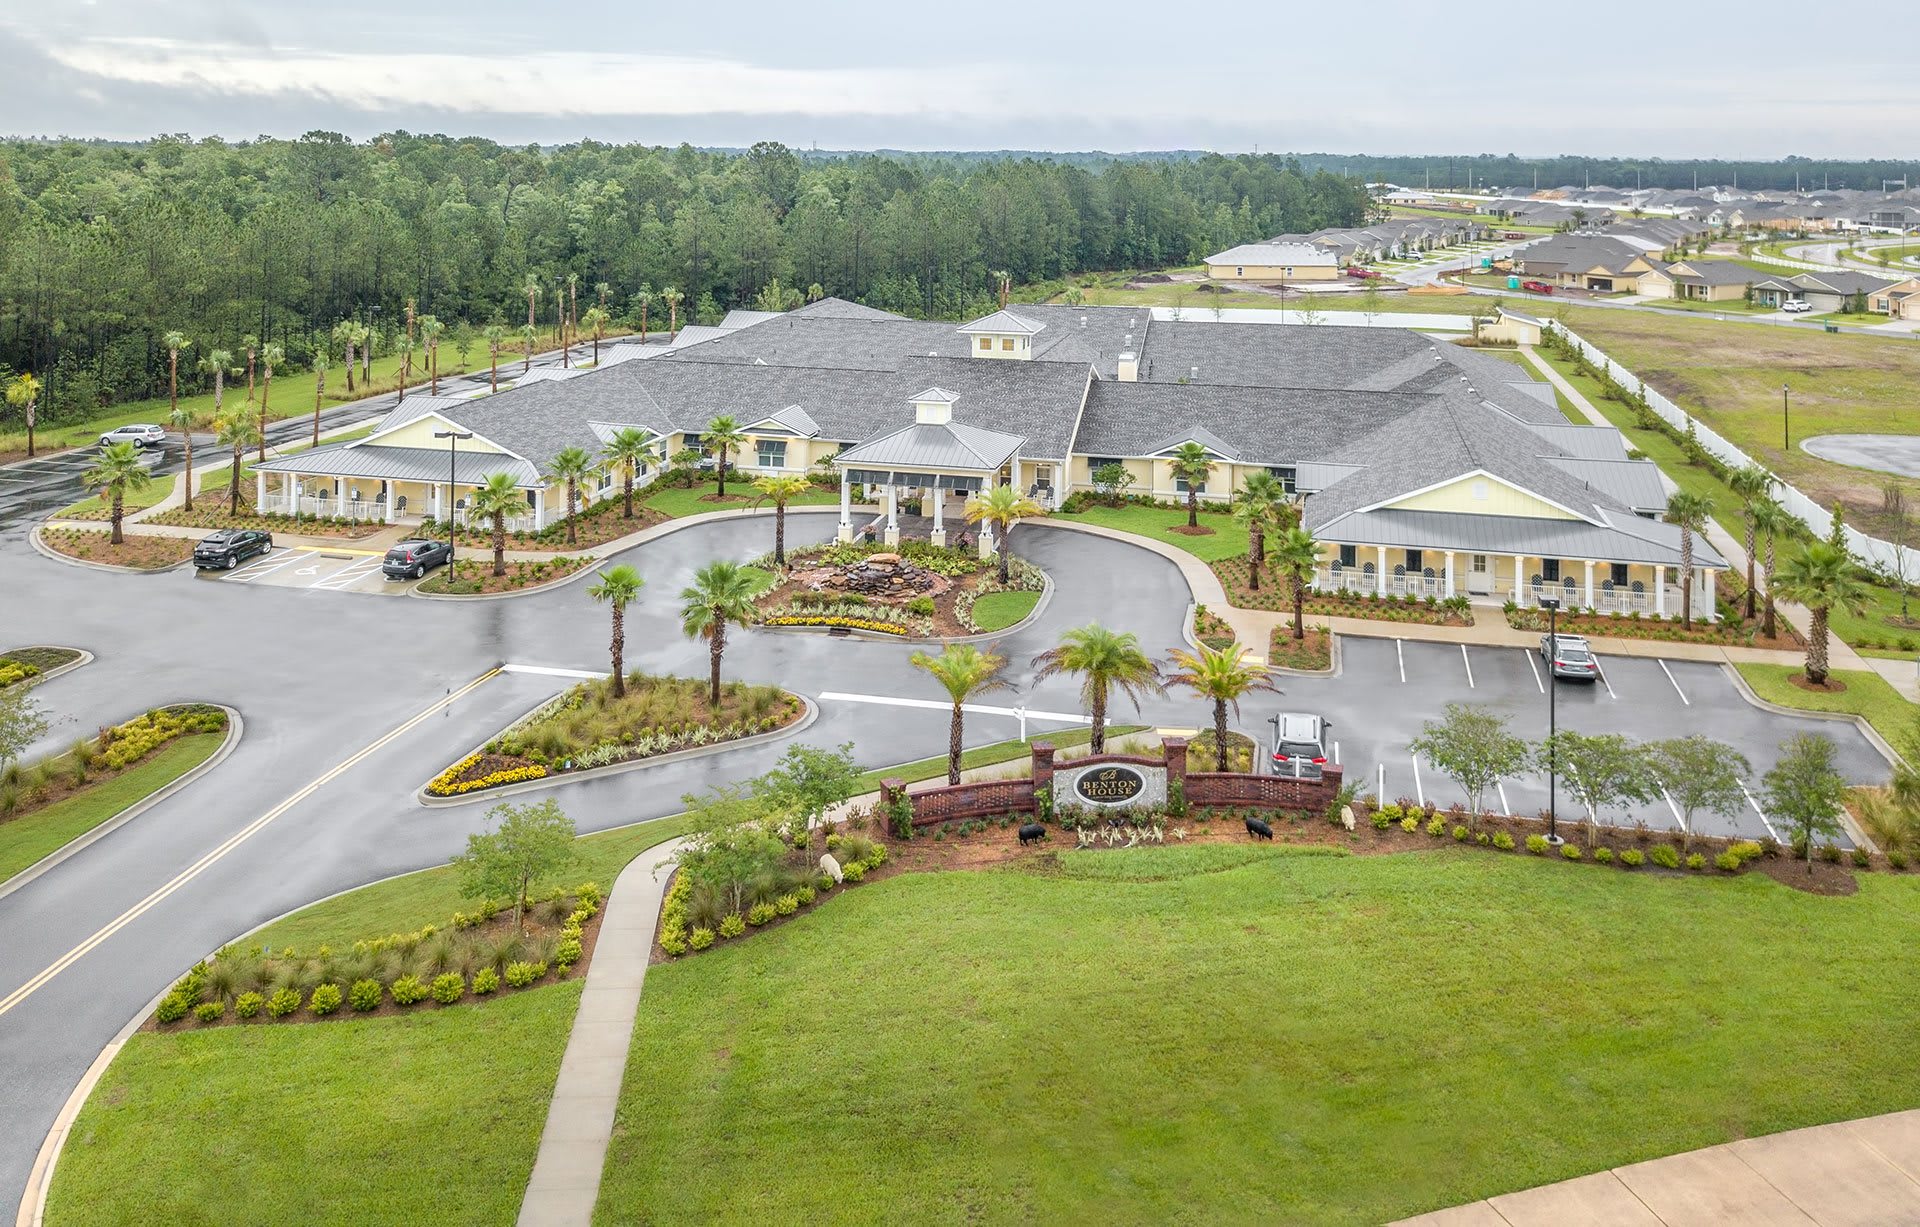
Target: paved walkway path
(573, 1146)
(1858, 1173)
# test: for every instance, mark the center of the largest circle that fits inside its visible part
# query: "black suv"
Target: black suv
(412, 559)
(229, 547)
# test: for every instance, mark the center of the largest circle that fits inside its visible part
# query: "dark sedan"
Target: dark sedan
(412, 559)
(229, 547)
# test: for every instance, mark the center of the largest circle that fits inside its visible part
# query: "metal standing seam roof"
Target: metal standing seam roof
(1633, 483)
(375, 461)
(1002, 321)
(927, 445)
(1530, 537)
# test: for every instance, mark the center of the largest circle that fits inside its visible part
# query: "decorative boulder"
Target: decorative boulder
(831, 867)
(1346, 816)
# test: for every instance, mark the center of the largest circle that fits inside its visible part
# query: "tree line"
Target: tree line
(104, 248)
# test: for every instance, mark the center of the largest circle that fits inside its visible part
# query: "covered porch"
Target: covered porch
(378, 485)
(936, 464)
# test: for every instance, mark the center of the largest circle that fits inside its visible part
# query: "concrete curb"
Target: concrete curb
(80, 843)
(1334, 660)
(810, 713)
(85, 658)
(47, 551)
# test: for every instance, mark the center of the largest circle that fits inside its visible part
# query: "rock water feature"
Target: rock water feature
(878, 577)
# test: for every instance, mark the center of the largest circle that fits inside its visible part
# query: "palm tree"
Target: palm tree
(721, 593)
(1823, 577)
(643, 299)
(270, 357)
(1690, 512)
(495, 499)
(964, 671)
(1105, 659)
(494, 333)
(629, 450)
(116, 471)
(780, 489)
(596, 320)
(23, 393)
(430, 330)
(235, 431)
(572, 465)
(1001, 507)
(1751, 484)
(723, 438)
(1191, 464)
(186, 419)
(1224, 676)
(673, 299)
(1296, 556)
(251, 344)
(319, 389)
(533, 292)
(216, 364)
(175, 342)
(527, 333)
(1258, 505)
(348, 334)
(1772, 522)
(570, 317)
(618, 586)
(406, 367)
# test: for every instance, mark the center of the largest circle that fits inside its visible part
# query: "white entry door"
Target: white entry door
(1479, 574)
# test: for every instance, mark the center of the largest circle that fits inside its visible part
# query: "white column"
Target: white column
(539, 509)
(293, 495)
(1589, 583)
(1706, 586)
(437, 501)
(1450, 588)
(1380, 569)
(260, 491)
(1660, 591)
(939, 535)
(893, 515)
(846, 508)
(393, 495)
(339, 496)
(1519, 580)
(1016, 475)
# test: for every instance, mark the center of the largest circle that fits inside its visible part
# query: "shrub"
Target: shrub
(1436, 826)
(1460, 833)
(787, 905)
(1746, 850)
(1633, 858)
(519, 975)
(1383, 818)
(804, 895)
(1503, 841)
(1537, 844)
(408, 990)
(449, 987)
(172, 1008)
(673, 945)
(247, 1005)
(1896, 859)
(325, 999)
(1666, 856)
(824, 883)
(209, 1011)
(1570, 851)
(1483, 839)
(1860, 858)
(1603, 855)
(1830, 853)
(1728, 861)
(1410, 824)
(854, 872)
(732, 925)
(1697, 861)
(366, 995)
(485, 981)
(759, 914)
(283, 1003)
(568, 952)
(700, 938)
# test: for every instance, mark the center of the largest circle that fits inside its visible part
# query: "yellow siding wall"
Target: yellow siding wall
(1273, 272)
(1500, 500)
(420, 434)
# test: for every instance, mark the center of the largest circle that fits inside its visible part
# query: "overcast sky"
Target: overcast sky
(1627, 78)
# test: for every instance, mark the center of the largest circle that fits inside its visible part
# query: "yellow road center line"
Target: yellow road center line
(233, 841)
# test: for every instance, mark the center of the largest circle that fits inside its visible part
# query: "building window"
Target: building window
(1415, 562)
(1287, 271)
(771, 453)
(986, 342)
(1006, 344)
(691, 441)
(1349, 555)
(1480, 562)
(1180, 484)
(1550, 570)
(1239, 272)
(1618, 574)
(1284, 474)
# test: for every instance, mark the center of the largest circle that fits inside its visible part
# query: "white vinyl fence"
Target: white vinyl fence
(1875, 553)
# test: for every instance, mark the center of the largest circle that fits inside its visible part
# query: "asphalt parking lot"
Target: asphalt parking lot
(318, 569)
(1387, 689)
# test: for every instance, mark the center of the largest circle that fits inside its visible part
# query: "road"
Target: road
(350, 702)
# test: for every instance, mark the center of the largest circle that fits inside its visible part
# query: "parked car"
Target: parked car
(414, 558)
(1364, 274)
(1300, 746)
(142, 435)
(227, 548)
(1514, 234)
(1796, 306)
(1569, 656)
(1536, 287)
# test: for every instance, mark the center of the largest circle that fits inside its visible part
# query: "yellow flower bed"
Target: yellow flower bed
(858, 624)
(449, 784)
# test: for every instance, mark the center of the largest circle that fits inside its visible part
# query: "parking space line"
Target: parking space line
(351, 573)
(1604, 679)
(1468, 663)
(1419, 790)
(1400, 651)
(267, 566)
(1535, 668)
(1762, 815)
(1506, 807)
(1676, 685)
(1677, 820)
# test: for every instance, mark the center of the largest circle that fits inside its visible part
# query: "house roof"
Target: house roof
(1616, 538)
(377, 461)
(1713, 272)
(1265, 254)
(1002, 321)
(945, 446)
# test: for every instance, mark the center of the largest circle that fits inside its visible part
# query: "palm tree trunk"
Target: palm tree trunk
(572, 496)
(1220, 734)
(1817, 647)
(1006, 563)
(619, 651)
(1256, 546)
(1750, 592)
(1099, 742)
(173, 405)
(350, 352)
(780, 543)
(493, 369)
(233, 483)
(119, 510)
(717, 646)
(1299, 609)
(499, 543)
(953, 744)
(319, 394)
(1193, 506)
(1768, 626)
(626, 493)
(720, 471)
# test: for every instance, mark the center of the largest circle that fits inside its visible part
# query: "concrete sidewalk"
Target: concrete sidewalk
(1858, 1173)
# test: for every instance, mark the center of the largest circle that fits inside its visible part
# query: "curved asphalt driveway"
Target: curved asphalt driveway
(317, 796)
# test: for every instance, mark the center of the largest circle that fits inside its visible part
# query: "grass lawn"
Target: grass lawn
(25, 840)
(374, 1120)
(1228, 539)
(741, 495)
(987, 755)
(94, 508)
(1249, 1036)
(999, 610)
(1867, 694)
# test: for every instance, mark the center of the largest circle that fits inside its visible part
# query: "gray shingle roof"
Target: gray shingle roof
(1275, 355)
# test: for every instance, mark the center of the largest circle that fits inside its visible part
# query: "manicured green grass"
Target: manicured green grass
(986, 756)
(1299, 1039)
(676, 502)
(433, 1116)
(1228, 539)
(26, 839)
(1867, 694)
(999, 610)
(94, 508)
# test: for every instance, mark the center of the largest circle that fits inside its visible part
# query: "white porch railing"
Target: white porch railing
(1365, 577)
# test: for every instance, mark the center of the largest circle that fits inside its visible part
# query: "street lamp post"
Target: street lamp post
(1552, 606)
(1786, 423)
(453, 438)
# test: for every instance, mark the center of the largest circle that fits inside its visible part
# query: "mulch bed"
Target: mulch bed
(143, 553)
(594, 526)
(486, 764)
(210, 512)
(1192, 530)
(1608, 626)
(61, 786)
(471, 578)
(1211, 629)
(1276, 596)
(1833, 684)
(1313, 651)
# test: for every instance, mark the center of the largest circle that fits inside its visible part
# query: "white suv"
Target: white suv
(1796, 306)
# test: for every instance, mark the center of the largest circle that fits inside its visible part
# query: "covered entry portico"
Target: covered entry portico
(932, 460)
(394, 485)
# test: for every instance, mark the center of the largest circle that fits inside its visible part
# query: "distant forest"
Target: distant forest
(106, 247)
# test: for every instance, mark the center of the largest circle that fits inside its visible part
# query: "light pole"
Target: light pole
(1786, 423)
(453, 438)
(1552, 606)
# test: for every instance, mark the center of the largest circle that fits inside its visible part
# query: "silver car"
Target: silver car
(142, 435)
(1569, 656)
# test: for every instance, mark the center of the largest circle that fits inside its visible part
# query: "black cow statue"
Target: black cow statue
(1258, 828)
(1030, 832)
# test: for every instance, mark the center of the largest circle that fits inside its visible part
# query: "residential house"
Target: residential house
(1712, 280)
(1273, 262)
(1828, 290)
(1594, 262)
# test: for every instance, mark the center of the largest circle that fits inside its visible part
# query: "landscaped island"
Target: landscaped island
(912, 590)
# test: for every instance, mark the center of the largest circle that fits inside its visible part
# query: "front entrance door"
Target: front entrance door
(1479, 575)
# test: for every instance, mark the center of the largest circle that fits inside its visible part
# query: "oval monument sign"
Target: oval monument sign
(1110, 785)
